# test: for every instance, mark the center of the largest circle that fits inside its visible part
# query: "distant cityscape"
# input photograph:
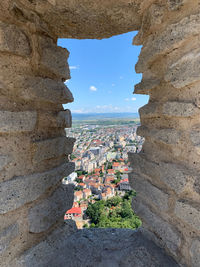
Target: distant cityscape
(101, 163)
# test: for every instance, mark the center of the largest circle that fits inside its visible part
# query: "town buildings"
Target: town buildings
(100, 156)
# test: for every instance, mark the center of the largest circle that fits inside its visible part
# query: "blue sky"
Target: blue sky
(103, 74)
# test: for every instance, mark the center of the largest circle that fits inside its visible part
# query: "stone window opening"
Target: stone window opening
(34, 149)
(82, 51)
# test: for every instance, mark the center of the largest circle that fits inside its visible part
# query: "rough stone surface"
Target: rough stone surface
(7, 235)
(97, 247)
(4, 161)
(103, 19)
(167, 136)
(169, 39)
(180, 109)
(155, 195)
(47, 211)
(184, 71)
(53, 59)
(44, 90)
(21, 190)
(52, 148)
(195, 253)
(65, 118)
(146, 85)
(195, 136)
(17, 121)
(163, 228)
(13, 40)
(62, 119)
(173, 175)
(149, 111)
(188, 213)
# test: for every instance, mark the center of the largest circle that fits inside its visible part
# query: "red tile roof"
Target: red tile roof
(74, 210)
(124, 181)
(78, 193)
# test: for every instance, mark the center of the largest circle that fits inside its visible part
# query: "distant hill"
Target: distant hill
(102, 116)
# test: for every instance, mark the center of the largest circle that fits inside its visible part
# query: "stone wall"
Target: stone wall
(33, 147)
(166, 172)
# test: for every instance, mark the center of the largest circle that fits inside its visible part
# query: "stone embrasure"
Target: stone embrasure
(34, 149)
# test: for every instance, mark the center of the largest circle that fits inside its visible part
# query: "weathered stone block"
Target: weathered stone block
(165, 232)
(150, 192)
(167, 136)
(188, 213)
(45, 90)
(146, 85)
(7, 235)
(179, 109)
(173, 175)
(52, 148)
(170, 38)
(62, 119)
(23, 189)
(53, 59)
(17, 121)
(4, 161)
(13, 40)
(149, 111)
(195, 253)
(195, 136)
(196, 185)
(44, 214)
(185, 70)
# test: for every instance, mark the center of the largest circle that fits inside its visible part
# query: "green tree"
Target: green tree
(115, 212)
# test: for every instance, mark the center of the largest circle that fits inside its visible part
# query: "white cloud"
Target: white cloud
(113, 84)
(121, 77)
(128, 99)
(67, 81)
(73, 67)
(93, 88)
